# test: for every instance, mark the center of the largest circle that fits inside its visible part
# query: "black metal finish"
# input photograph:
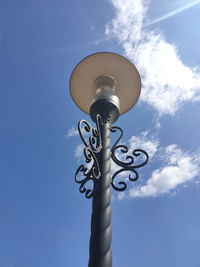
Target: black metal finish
(92, 148)
(107, 108)
(100, 241)
(128, 164)
(97, 154)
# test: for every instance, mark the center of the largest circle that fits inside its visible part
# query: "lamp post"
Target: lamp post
(104, 85)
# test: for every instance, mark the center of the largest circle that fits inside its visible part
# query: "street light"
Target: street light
(104, 85)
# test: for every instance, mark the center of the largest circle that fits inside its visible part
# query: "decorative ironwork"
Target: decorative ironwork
(92, 147)
(128, 164)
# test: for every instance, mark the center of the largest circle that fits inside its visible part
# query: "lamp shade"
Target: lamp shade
(105, 64)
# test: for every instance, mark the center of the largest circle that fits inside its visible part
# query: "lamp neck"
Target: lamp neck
(107, 108)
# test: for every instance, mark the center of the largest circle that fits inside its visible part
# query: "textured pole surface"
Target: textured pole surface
(100, 240)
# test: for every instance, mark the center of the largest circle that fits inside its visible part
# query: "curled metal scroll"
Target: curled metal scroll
(92, 147)
(128, 164)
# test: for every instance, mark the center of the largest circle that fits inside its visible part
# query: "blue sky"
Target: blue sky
(45, 221)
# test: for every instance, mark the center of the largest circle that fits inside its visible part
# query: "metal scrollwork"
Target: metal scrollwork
(92, 147)
(128, 164)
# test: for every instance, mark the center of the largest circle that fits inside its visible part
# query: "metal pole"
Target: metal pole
(97, 151)
(100, 240)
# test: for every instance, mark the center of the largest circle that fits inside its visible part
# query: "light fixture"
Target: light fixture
(104, 85)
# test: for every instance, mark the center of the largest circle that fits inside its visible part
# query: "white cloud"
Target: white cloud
(149, 144)
(121, 195)
(72, 132)
(127, 25)
(142, 141)
(180, 168)
(167, 81)
(79, 151)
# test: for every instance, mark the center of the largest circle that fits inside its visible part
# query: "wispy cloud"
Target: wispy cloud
(79, 151)
(72, 132)
(173, 13)
(142, 141)
(77, 47)
(167, 82)
(180, 168)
